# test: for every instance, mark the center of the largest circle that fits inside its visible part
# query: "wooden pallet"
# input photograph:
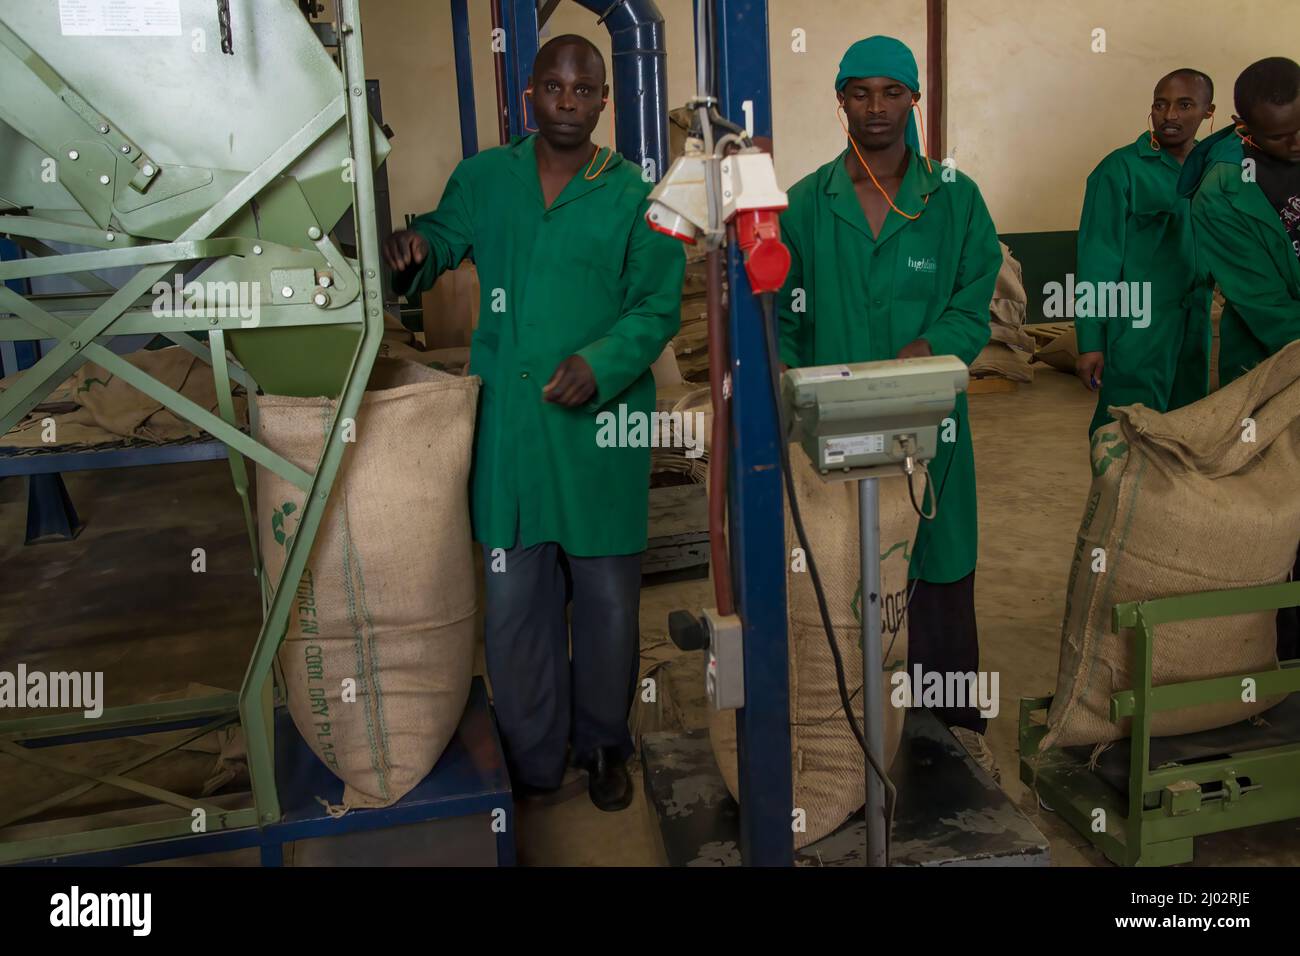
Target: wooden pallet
(991, 384)
(1046, 332)
(678, 529)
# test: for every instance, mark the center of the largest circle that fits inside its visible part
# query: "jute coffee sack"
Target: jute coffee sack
(379, 651)
(1200, 499)
(828, 765)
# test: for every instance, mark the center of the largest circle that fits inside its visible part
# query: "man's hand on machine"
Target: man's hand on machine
(1089, 369)
(405, 248)
(572, 385)
(918, 349)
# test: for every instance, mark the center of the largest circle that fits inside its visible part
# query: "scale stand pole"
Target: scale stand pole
(872, 687)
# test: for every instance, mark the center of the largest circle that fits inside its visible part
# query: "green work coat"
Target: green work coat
(1136, 228)
(1241, 242)
(864, 298)
(587, 277)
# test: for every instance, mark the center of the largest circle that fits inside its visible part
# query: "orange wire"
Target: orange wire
(876, 182)
(1151, 133)
(1211, 124)
(925, 147)
(608, 156)
(523, 101)
(1245, 139)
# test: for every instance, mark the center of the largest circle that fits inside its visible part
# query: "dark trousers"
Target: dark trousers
(1288, 626)
(544, 701)
(942, 637)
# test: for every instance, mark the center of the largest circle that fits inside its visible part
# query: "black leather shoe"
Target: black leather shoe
(608, 782)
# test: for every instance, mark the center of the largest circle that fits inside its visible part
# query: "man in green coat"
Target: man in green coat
(895, 256)
(1244, 185)
(1135, 237)
(579, 297)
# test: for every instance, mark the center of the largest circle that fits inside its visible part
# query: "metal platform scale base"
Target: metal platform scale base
(950, 813)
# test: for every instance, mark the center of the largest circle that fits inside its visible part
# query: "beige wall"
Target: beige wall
(805, 130)
(409, 50)
(1031, 109)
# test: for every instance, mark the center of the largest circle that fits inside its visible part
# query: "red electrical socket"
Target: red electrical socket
(767, 260)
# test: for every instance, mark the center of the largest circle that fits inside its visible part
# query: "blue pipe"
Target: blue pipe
(519, 18)
(636, 33)
(464, 78)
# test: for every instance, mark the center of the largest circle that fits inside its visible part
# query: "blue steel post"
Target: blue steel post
(519, 18)
(756, 513)
(464, 78)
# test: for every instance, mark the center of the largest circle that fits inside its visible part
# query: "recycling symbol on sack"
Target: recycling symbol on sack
(280, 525)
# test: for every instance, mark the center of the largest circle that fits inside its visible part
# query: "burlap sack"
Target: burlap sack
(828, 765)
(1010, 306)
(1180, 503)
(388, 599)
(1004, 362)
(451, 308)
(1062, 353)
(122, 410)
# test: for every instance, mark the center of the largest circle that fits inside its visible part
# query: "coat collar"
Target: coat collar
(1225, 148)
(1149, 152)
(918, 183)
(523, 166)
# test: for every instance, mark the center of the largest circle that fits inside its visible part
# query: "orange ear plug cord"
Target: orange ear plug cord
(924, 147)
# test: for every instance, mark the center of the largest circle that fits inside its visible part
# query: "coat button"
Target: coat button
(876, 303)
(523, 374)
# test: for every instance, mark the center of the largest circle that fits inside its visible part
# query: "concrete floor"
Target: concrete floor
(122, 599)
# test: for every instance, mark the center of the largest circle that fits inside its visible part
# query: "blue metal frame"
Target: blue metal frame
(464, 78)
(519, 19)
(755, 509)
(132, 456)
(470, 778)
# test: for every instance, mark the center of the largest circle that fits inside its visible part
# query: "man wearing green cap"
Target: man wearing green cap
(896, 257)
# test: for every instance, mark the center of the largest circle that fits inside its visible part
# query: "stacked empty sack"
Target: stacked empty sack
(1200, 499)
(827, 762)
(388, 598)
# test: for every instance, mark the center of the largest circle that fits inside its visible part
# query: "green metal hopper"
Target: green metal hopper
(224, 149)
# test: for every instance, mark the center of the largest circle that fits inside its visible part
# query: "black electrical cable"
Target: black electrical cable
(920, 563)
(774, 365)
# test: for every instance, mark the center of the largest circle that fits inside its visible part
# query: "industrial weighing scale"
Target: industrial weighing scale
(950, 812)
(1146, 799)
(856, 422)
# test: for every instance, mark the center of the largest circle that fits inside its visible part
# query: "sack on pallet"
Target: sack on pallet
(827, 763)
(388, 599)
(1182, 502)
(1002, 361)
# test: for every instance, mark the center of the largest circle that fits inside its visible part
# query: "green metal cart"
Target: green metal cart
(1146, 800)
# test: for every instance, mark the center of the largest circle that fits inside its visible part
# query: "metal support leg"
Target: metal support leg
(872, 690)
(50, 512)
